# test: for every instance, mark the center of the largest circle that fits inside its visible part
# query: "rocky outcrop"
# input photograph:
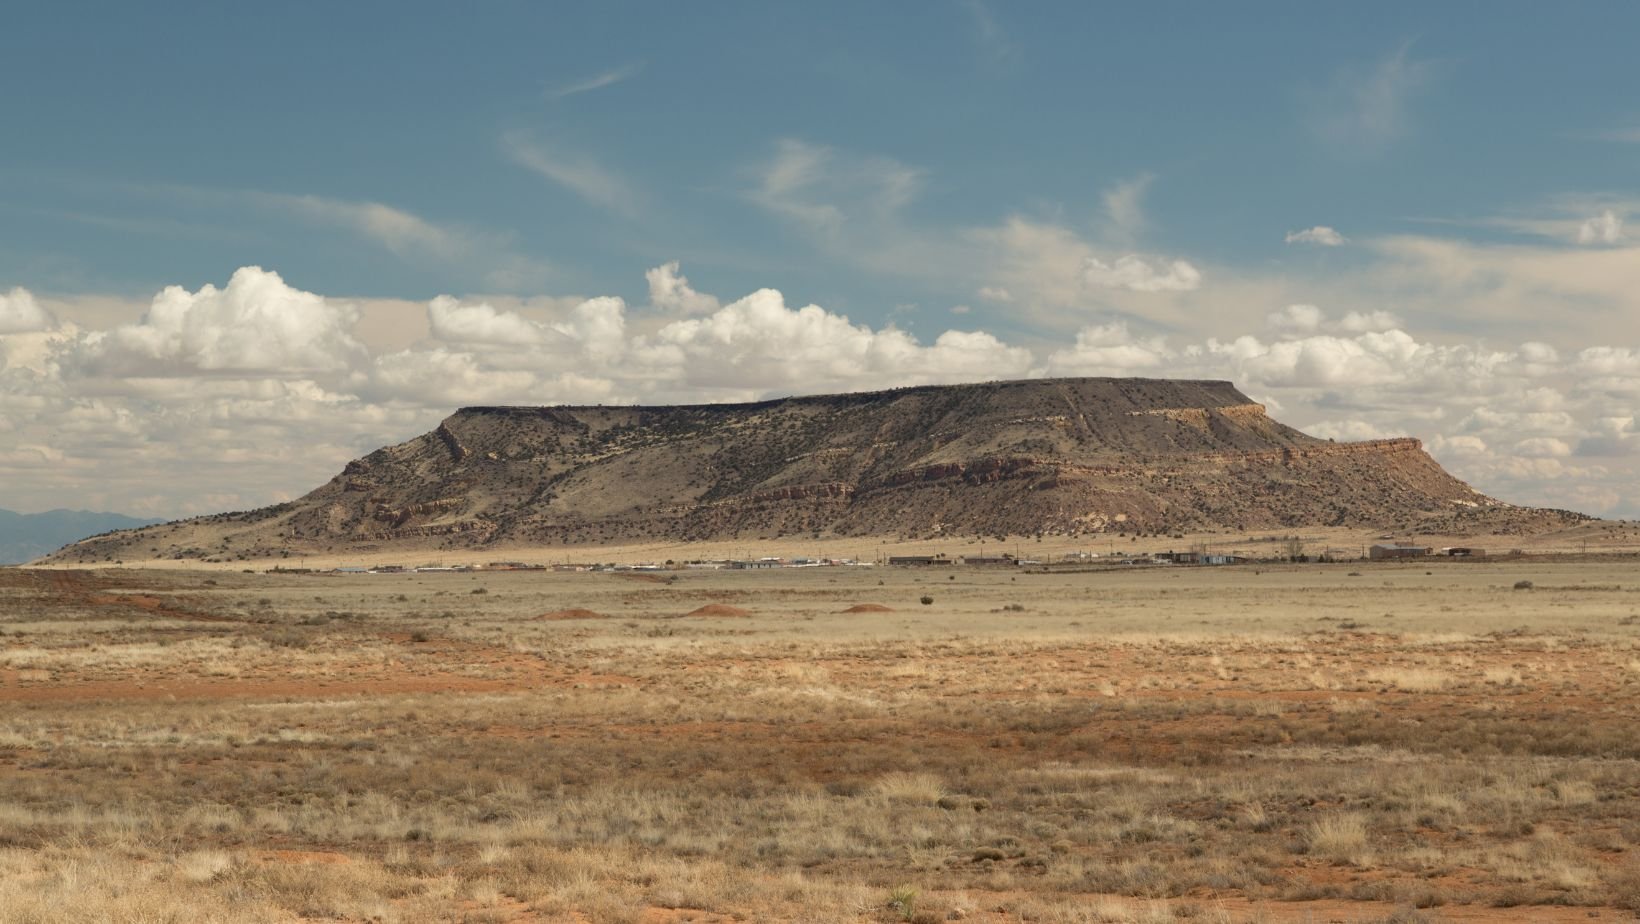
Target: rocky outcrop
(1068, 456)
(458, 452)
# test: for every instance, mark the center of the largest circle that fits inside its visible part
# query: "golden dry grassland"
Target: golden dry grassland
(1350, 742)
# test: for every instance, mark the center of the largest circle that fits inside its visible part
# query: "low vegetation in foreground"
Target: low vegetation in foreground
(1353, 743)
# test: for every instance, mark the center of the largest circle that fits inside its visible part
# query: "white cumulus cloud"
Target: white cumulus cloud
(257, 391)
(669, 291)
(1542, 447)
(1300, 319)
(758, 341)
(1307, 319)
(1109, 349)
(452, 321)
(1359, 322)
(21, 314)
(257, 324)
(442, 376)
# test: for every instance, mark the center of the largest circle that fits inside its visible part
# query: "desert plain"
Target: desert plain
(1352, 741)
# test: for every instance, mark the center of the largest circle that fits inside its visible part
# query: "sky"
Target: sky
(241, 245)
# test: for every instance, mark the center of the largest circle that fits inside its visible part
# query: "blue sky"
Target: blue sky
(1386, 218)
(1252, 121)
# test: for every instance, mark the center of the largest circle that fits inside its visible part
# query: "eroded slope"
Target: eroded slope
(1058, 456)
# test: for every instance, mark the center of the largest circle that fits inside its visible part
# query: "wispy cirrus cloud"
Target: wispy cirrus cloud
(596, 82)
(470, 254)
(489, 256)
(854, 205)
(995, 43)
(822, 188)
(1125, 207)
(1627, 135)
(148, 225)
(1586, 220)
(579, 174)
(1364, 111)
(1605, 228)
(1137, 274)
(411, 237)
(1320, 235)
(403, 233)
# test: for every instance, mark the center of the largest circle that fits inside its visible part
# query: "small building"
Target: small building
(759, 564)
(918, 561)
(1398, 551)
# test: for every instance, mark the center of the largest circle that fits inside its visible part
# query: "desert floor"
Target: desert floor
(1591, 537)
(1309, 743)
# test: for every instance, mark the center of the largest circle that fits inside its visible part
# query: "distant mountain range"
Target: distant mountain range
(26, 536)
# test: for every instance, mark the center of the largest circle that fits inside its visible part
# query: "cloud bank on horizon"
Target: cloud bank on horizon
(1337, 211)
(223, 398)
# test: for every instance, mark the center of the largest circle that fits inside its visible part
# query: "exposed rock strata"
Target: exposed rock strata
(1059, 456)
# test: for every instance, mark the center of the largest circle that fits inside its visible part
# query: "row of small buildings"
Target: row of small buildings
(1387, 552)
(724, 564)
(423, 569)
(1397, 551)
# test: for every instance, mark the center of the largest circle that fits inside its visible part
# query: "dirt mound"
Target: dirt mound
(720, 610)
(869, 608)
(574, 612)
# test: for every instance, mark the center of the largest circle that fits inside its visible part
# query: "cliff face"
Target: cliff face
(1059, 456)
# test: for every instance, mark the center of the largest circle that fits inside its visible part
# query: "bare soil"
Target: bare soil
(575, 612)
(719, 610)
(1304, 743)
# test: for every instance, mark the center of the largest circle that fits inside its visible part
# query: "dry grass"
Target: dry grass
(1201, 745)
(1340, 837)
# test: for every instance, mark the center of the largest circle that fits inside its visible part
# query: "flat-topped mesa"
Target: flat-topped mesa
(1138, 391)
(1045, 456)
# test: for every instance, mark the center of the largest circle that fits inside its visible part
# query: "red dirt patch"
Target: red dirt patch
(869, 608)
(574, 612)
(148, 603)
(257, 688)
(720, 610)
(328, 857)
